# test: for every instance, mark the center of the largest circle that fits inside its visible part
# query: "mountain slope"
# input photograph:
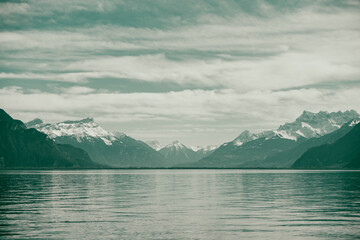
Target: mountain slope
(28, 148)
(232, 155)
(202, 152)
(248, 149)
(344, 153)
(154, 144)
(115, 149)
(176, 153)
(287, 158)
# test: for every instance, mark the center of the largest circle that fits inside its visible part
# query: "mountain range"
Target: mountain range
(114, 149)
(314, 140)
(252, 150)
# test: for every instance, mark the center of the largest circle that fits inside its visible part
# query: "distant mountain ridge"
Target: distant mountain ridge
(304, 143)
(307, 125)
(114, 149)
(286, 159)
(177, 153)
(156, 145)
(28, 148)
(248, 148)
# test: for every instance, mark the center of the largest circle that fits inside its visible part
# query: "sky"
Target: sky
(200, 72)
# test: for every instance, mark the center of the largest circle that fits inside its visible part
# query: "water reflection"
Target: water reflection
(173, 204)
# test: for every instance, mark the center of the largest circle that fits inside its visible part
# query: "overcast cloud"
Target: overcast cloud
(199, 72)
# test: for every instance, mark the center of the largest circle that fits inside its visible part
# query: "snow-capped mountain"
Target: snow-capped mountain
(245, 136)
(286, 159)
(307, 125)
(28, 148)
(115, 149)
(154, 144)
(248, 147)
(176, 145)
(310, 124)
(205, 149)
(85, 129)
(178, 153)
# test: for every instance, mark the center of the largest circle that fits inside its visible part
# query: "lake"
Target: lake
(179, 204)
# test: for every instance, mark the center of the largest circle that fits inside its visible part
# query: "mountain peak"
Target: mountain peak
(205, 149)
(4, 116)
(351, 112)
(154, 144)
(245, 136)
(306, 116)
(85, 120)
(310, 124)
(119, 134)
(307, 125)
(81, 130)
(175, 144)
(34, 122)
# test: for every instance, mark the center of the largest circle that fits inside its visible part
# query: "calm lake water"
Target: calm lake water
(180, 204)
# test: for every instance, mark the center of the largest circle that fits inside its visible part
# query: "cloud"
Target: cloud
(66, 77)
(264, 63)
(8, 8)
(244, 52)
(196, 108)
(78, 90)
(281, 71)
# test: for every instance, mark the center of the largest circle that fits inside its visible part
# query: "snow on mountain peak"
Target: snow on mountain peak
(176, 144)
(195, 148)
(307, 125)
(354, 122)
(310, 124)
(83, 129)
(245, 136)
(204, 149)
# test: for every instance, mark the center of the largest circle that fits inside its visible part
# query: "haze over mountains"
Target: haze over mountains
(313, 140)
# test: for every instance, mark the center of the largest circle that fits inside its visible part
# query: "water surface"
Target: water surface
(180, 204)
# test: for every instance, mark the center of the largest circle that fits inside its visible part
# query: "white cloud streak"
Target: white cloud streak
(251, 59)
(180, 111)
(284, 51)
